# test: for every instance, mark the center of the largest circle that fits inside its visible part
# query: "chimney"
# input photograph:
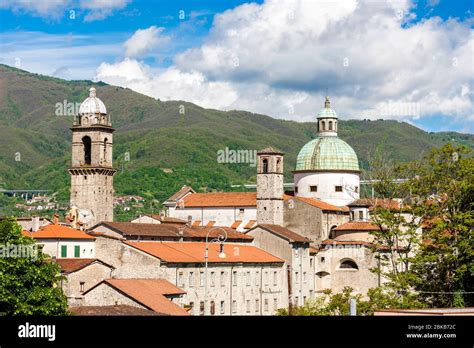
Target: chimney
(56, 218)
(35, 223)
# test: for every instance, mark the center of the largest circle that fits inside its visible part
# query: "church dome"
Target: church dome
(327, 154)
(92, 104)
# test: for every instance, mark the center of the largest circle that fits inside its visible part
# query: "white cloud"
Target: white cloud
(54, 9)
(144, 40)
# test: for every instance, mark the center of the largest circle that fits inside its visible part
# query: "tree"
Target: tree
(28, 278)
(443, 189)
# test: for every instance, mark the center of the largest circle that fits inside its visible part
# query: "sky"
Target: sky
(405, 60)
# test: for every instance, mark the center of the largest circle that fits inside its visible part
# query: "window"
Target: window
(304, 300)
(296, 189)
(63, 250)
(213, 308)
(86, 142)
(313, 188)
(191, 278)
(257, 278)
(213, 279)
(265, 305)
(322, 125)
(330, 125)
(234, 306)
(248, 306)
(338, 188)
(278, 165)
(234, 278)
(275, 278)
(357, 189)
(180, 279)
(275, 304)
(248, 278)
(265, 277)
(77, 250)
(201, 308)
(105, 149)
(304, 277)
(361, 215)
(222, 307)
(349, 264)
(322, 259)
(201, 278)
(297, 278)
(82, 286)
(222, 278)
(265, 165)
(241, 210)
(310, 262)
(257, 305)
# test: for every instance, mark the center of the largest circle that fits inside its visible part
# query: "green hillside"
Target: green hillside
(157, 137)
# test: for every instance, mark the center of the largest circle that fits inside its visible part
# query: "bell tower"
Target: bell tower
(92, 172)
(270, 187)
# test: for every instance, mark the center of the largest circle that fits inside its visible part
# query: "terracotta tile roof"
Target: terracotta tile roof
(196, 223)
(270, 150)
(236, 224)
(361, 202)
(193, 252)
(178, 195)
(314, 251)
(317, 203)
(357, 226)
(221, 199)
(72, 265)
(285, 233)
(344, 242)
(149, 293)
(250, 224)
(166, 219)
(53, 231)
(111, 310)
(210, 223)
(130, 229)
(386, 203)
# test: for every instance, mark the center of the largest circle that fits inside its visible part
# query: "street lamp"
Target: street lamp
(221, 238)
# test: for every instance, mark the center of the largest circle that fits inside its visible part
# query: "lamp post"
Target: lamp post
(221, 238)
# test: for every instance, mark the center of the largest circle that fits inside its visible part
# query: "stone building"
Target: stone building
(91, 170)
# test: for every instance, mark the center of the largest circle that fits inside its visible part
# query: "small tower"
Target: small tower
(327, 121)
(270, 187)
(92, 188)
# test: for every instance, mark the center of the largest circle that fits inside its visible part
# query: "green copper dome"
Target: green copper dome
(327, 113)
(327, 153)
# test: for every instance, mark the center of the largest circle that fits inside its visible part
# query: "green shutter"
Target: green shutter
(77, 250)
(63, 250)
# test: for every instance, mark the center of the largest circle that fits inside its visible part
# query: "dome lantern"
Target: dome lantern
(327, 120)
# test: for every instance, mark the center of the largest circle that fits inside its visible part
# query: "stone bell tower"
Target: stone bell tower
(270, 187)
(92, 173)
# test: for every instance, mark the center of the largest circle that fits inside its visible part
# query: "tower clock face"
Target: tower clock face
(85, 215)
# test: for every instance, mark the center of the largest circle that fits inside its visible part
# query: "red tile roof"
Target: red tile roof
(236, 224)
(166, 219)
(53, 231)
(193, 252)
(182, 192)
(149, 293)
(285, 233)
(111, 310)
(317, 203)
(250, 224)
(73, 265)
(221, 199)
(357, 226)
(130, 229)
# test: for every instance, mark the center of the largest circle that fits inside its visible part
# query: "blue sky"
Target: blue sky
(410, 61)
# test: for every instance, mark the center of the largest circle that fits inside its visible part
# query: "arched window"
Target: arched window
(86, 141)
(330, 125)
(278, 165)
(348, 264)
(332, 232)
(265, 165)
(322, 125)
(105, 149)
